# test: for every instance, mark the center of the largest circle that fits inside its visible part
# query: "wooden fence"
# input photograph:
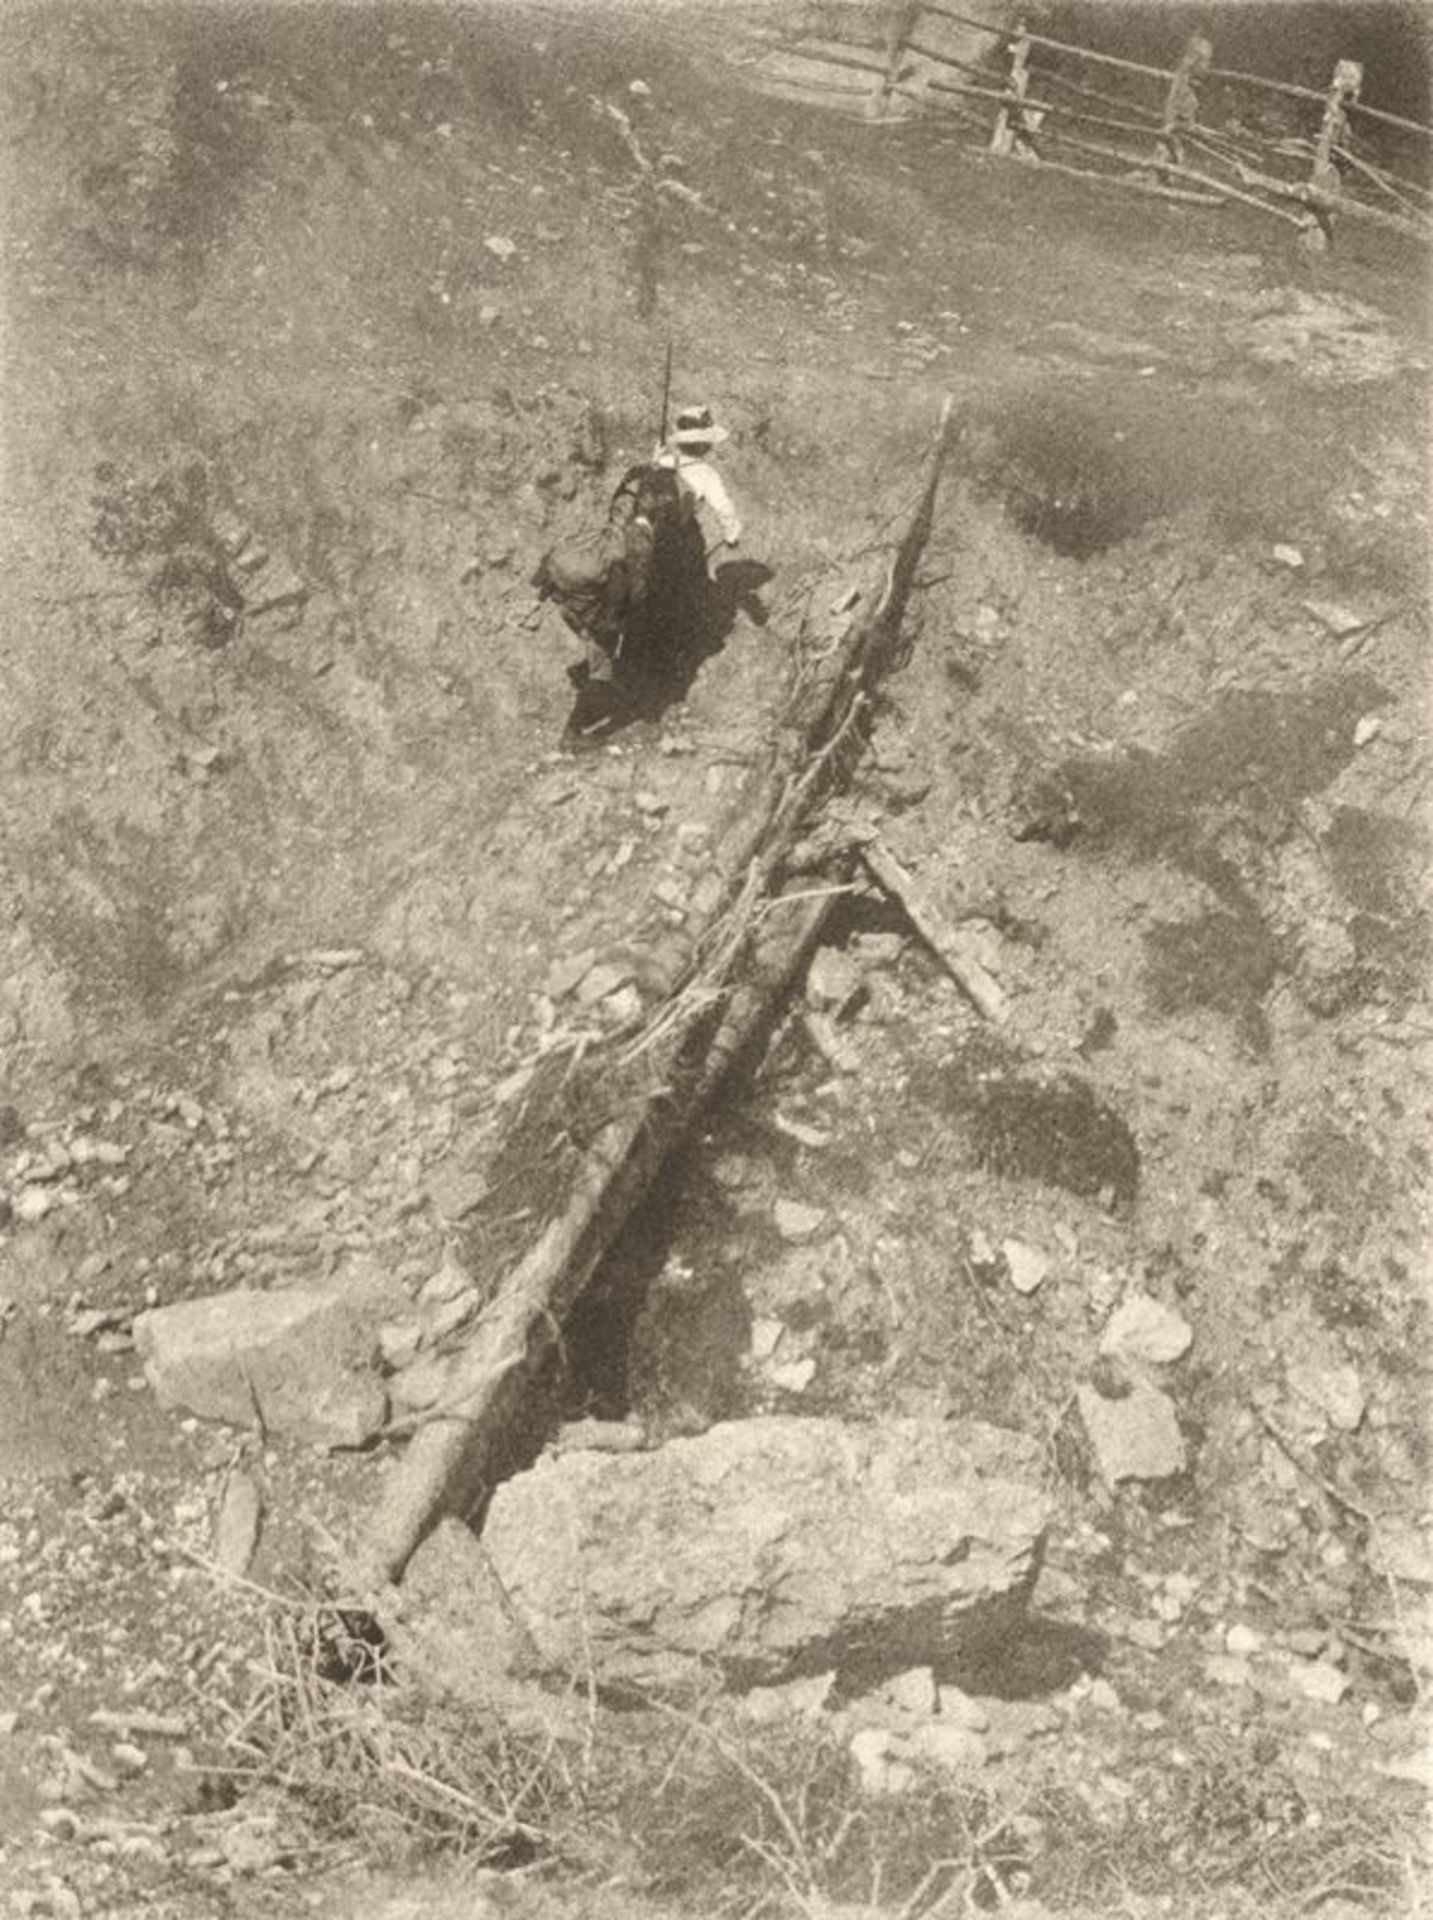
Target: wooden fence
(1195, 132)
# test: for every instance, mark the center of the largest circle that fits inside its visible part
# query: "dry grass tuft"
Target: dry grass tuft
(735, 1821)
(333, 1729)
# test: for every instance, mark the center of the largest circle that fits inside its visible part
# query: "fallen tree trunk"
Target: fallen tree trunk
(744, 963)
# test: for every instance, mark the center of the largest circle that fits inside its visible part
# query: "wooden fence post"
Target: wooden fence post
(1181, 104)
(903, 24)
(1013, 125)
(1324, 176)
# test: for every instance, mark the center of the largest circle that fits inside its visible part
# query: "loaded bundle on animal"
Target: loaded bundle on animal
(625, 587)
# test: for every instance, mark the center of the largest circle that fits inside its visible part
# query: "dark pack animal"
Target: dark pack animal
(599, 578)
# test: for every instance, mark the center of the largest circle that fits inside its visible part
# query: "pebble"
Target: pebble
(1307, 1642)
(623, 1007)
(1145, 1329)
(1336, 1391)
(959, 1748)
(602, 981)
(1340, 621)
(446, 1284)
(793, 1376)
(1226, 1670)
(128, 1759)
(1288, 556)
(796, 1222)
(237, 1524)
(832, 980)
(765, 1337)
(398, 1343)
(32, 1203)
(1027, 1265)
(451, 1315)
(961, 1710)
(1136, 1437)
(1242, 1641)
(913, 1691)
(1320, 1680)
(882, 1775)
(567, 972)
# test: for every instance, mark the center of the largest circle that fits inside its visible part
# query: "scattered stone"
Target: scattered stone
(1103, 1697)
(455, 1188)
(796, 1222)
(453, 1313)
(9, 1722)
(960, 1749)
(623, 1007)
(1136, 1437)
(252, 1847)
(128, 1759)
(601, 981)
(795, 1700)
(792, 1376)
(237, 1523)
(765, 1338)
(499, 244)
(32, 1203)
(1226, 1670)
(1368, 728)
(1027, 1265)
(274, 586)
(419, 1386)
(1336, 1391)
(601, 1436)
(448, 1586)
(833, 980)
(295, 1362)
(912, 1692)
(882, 1774)
(960, 1710)
(1400, 1550)
(1340, 621)
(1242, 1640)
(446, 1284)
(1145, 1329)
(1307, 1642)
(645, 801)
(568, 972)
(1319, 1680)
(1288, 556)
(890, 1545)
(398, 1343)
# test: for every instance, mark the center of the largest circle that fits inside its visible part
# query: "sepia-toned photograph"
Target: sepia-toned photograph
(716, 1067)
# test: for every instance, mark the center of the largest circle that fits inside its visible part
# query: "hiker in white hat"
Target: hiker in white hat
(685, 450)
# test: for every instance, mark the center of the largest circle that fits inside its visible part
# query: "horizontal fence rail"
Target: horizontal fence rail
(1318, 168)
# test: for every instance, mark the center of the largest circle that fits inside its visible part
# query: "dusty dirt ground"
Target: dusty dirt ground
(285, 884)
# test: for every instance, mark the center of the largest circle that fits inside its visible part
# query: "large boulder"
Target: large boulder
(765, 1549)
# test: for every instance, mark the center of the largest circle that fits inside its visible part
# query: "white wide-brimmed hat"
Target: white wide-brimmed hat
(696, 428)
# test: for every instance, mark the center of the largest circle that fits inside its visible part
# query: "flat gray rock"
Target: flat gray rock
(769, 1548)
(297, 1361)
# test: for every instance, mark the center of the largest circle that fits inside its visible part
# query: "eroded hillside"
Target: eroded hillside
(321, 325)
